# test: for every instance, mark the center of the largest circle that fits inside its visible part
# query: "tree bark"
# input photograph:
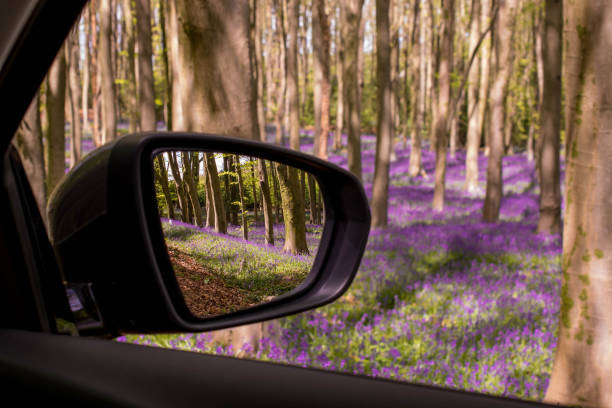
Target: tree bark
(583, 360)
(28, 141)
(503, 33)
(321, 39)
(105, 64)
(95, 74)
(380, 184)
(145, 67)
(550, 122)
(74, 91)
(416, 166)
(292, 75)
(163, 180)
(86, 77)
(473, 132)
(483, 88)
(216, 199)
(340, 75)
(442, 102)
(245, 227)
(56, 138)
(293, 210)
(351, 14)
(130, 87)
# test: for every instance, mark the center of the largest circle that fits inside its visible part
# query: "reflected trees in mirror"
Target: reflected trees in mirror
(239, 230)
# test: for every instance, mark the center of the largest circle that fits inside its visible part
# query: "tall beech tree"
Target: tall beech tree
(380, 185)
(550, 122)
(322, 86)
(74, 95)
(146, 97)
(351, 19)
(55, 157)
(583, 358)
(28, 141)
(105, 65)
(503, 32)
(443, 102)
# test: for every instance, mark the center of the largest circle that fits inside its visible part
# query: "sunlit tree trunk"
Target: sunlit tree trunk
(380, 185)
(312, 199)
(282, 69)
(443, 101)
(86, 73)
(473, 132)
(215, 198)
(483, 87)
(56, 139)
(267, 201)
(550, 122)
(583, 360)
(254, 188)
(163, 180)
(28, 141)
(321, 39)
(292, 75)
(503, 33)
(416, 166)
(351, 18)
(74, 94)
(105, 65)
(293, 210)
(191, 187)
(180, 187)
(238, 170)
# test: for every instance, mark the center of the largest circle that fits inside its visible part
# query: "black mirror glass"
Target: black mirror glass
(239, 230)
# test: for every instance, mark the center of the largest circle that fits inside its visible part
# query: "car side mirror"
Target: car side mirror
(125, 233)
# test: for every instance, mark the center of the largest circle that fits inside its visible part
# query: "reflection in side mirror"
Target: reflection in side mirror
(239, 230)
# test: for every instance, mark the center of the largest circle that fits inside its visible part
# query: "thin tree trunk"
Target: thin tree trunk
(483, 87)
(442, 102)
(245, 227)
(146, 98)
(340, 114)
(180, 187)
(380, 184)
(86, 78)
(192, 188)
(473, 132)
(321, 39)
(163, 25)
(503, 33)
(312, 195)
(416, 166)
(95, 74)
(292, 75)
(351, 13)
(550, 122)
(163, 181)
(267, 202)
(105, 63)
(216, 199)
(56, 138)
(74, 89)
(130, 87)
(254, 188)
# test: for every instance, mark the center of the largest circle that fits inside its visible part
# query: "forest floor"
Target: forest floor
(220, 273)
(440, 298)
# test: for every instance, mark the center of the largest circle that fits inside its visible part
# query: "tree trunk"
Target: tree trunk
(95, 74)
(86, 78)
(163, 180)
(321, 39)
(292, 75)
(351, 14)
(503, 33)
(180, 187)
(74, 91)
(163, 26)
(282, 70)
(130, 87)
(192, 188)
(215, 199)
(245, 228)
(473, 131)
(267, 202)
(416, 166)
(293, 210)
(483, 88)
(340, 75)
(28, 141)
(56, 138)
(380, 184)
(254, 188)
(443, 101)
(105, 64)
(583, 360)
(145, 68)
(312, 198)
(550, 122)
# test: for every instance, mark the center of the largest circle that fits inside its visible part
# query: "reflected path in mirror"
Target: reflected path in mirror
(239, 230)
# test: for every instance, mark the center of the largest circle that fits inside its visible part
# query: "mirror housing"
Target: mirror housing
(111, 194)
